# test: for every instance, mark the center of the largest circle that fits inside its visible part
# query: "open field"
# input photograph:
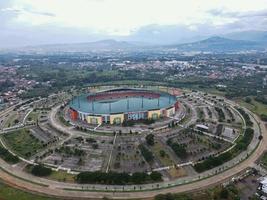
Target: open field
(263, 160)
(214, 91)
(23, 143)
(9, 193)
(254, 106)
(11, 120)
(177, 172)
(165, 160)
(33, 116)
(62, 176)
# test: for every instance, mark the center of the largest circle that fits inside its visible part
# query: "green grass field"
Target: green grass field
(61, 176)
(254, 106)
(9, 193)
(264, 160)
(22, 143)
(62, 120)
(214, 91)
(33, 116)
(166, 160)
(11, 120)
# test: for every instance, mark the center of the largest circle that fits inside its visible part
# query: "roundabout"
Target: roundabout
(202, 140)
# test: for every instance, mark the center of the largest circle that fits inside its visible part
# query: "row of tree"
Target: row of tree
(7, 156)
(178, 149)
(146, 153)
(40, 170)
(214, 161)
(263, 117)
(246, 117)
(261, 98)
(220, 114)
(115, 178)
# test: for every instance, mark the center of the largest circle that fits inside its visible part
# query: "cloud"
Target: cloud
(156, 21)
(26, 10)
(232, 14)
(39, 12)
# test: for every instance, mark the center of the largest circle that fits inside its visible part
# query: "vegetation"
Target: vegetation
(248, 100)
(170, 196)
(12, 120)
(8, 157)
(63, 121)
(22, 142)
(243, 143)
(150, 139)
(219, 129)
(264, 160)
(70, 151)
(178, 149)
(200, 114)
(33, 116)
(229, 192)
(161, 154)
(263, 117)
(220, 114)
(262, 99)
(255, 106)
(40, 170)
(214, 161)
(10, 193)
(231, 115)
(5, 85)
(114, 178)
(246, 117)
(146, 153)
(62, 176)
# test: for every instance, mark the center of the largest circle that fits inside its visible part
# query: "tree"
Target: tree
(224, 193)
(139, 177)
(80, 162)
(156, 176)
(40, 170)
(150, 139)
(146, 153)
(95, 146)
(162, 153)
(170, 196)
(263, 117)
(248, 100)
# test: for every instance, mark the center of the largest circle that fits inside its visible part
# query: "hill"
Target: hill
(219, 44)
(102, 45)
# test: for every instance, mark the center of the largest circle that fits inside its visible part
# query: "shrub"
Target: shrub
(150, 139)
(146, 153)
(40, 170)
(7, 156)
(115, 178)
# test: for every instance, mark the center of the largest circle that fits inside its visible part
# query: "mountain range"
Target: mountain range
(220, 44)
(233, 42)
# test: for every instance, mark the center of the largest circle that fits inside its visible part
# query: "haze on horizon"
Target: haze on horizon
(34, 22)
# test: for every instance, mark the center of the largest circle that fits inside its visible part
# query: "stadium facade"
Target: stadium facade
(118, 105)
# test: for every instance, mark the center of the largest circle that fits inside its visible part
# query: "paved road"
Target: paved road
(57, 189)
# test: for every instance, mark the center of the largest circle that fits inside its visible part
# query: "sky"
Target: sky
(30, 22)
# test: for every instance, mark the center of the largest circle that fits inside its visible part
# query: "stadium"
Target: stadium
(118, 105)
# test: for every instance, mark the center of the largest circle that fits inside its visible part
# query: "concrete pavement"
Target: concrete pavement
(75, 191)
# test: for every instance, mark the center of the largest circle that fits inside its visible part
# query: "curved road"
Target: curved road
(57, 189)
